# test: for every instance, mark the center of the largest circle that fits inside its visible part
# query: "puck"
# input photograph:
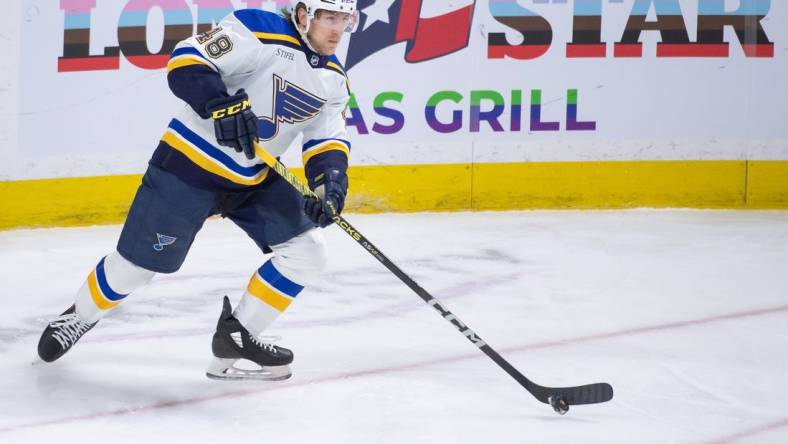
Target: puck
(559, 404)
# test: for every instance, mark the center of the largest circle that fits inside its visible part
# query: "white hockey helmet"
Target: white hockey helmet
(312, 6)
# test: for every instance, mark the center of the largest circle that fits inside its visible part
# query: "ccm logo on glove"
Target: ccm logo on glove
(234, 122)
(231, 110)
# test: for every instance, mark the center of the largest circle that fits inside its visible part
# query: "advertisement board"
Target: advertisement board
(433, 81)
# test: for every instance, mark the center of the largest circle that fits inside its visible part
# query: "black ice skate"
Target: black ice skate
(232, 342)
(61, 334)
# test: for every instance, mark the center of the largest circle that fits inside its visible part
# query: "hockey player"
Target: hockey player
(256, 76)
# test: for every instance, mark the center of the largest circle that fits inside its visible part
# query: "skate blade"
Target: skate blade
(225, 370)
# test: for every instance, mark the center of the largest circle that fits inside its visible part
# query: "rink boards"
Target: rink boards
(488, 186)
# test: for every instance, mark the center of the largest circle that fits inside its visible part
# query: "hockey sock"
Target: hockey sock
(107, 285)
(274, 286)
(268, 295)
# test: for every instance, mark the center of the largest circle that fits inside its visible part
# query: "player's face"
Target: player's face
(327, 29)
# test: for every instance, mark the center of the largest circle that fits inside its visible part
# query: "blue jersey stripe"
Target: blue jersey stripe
(170, 159)
(263, 21)
(188, 50)
(214, 152)
(273, 277)
(314, 142)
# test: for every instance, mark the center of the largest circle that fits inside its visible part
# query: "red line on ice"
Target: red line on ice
(652, 328)
(362, 373)
(751, 432)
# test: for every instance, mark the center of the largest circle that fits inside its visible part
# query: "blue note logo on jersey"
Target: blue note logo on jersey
(291, 104)
(164, 240)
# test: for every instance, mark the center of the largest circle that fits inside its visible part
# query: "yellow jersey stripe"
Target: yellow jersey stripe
(265, 293)
(184, 61)
(96, 294)
(337, 67)
(282, 37)
(332, 146)
(206, 163)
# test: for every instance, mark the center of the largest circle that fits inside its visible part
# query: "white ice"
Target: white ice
(685, 313)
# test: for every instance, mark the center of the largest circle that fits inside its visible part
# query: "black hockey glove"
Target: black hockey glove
(331, 186)
(234, 122)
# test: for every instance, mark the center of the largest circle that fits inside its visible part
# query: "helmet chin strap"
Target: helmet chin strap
(303, 33)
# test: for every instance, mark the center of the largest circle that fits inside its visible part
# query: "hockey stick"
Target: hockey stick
(560, 398)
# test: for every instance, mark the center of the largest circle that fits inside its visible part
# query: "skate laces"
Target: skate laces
(266, 342)
(68, 329)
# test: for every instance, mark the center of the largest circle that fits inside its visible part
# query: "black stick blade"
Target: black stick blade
(560, 398)
(583, 394)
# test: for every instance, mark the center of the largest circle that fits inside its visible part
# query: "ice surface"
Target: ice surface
(685, 313)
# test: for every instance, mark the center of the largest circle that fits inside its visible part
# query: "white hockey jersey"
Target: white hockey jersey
(291, 90)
